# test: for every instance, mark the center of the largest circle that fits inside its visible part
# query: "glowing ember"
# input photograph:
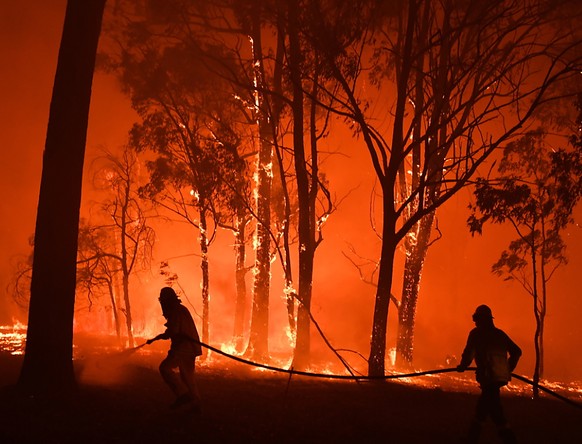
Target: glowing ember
(229, 348)
(13, 338)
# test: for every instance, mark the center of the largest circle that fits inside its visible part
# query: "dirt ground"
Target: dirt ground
(127, 402)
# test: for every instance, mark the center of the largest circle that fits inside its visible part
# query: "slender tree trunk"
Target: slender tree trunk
(539, 309)
(543, 281)
(127, 303)
(536, 375)
(118, 289)
(541, 337)
(48, 360)
(240, 282)
(204, 265)
(535, 297)
(114, 310)
(125, 269)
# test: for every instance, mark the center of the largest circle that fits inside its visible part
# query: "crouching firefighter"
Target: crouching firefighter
(496, 356)
(184, 348)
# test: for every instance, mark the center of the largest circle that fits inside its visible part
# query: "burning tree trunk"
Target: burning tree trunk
(48, 361)
(285, 255)
(416, 250)
(258, 346)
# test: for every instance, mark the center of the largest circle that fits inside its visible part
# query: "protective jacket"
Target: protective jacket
(181, 330)
(495, 354)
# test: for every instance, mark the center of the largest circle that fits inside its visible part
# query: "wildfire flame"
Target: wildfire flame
(13, 338)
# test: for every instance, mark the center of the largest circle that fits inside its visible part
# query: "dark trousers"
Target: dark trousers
(489, 405)
(185, 383)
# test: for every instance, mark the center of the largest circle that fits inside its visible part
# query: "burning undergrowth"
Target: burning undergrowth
(102, 360)
(13, 338)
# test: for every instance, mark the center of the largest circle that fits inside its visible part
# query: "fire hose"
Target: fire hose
(292, 371)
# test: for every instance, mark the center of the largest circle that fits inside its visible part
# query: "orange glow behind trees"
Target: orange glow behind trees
(340, 303)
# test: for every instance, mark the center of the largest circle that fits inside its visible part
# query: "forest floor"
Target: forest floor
(125, 401)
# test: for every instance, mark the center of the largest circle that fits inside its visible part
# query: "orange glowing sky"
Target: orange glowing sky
(456, 276)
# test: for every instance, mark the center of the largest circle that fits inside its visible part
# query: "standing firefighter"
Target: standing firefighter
(495, 355)
(184, 348)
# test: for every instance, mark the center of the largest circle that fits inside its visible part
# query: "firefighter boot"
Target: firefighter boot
(474, 432)
(507, 436)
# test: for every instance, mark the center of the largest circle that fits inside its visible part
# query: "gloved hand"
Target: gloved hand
(461, 368)
(149, 341)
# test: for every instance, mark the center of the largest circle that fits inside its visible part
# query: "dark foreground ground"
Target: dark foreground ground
(126, 402)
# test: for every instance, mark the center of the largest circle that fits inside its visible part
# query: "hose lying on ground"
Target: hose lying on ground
(385, 377)
(548, 391)
(291, 371)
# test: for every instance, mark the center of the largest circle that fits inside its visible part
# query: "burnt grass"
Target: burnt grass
(125, 401)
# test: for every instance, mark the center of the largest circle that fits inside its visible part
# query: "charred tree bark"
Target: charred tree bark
(48, 360)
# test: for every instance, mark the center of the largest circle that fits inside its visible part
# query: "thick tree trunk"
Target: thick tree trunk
(48, 360)
(377, 359)
(258, 347)
(306, 235)
(289, 290)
